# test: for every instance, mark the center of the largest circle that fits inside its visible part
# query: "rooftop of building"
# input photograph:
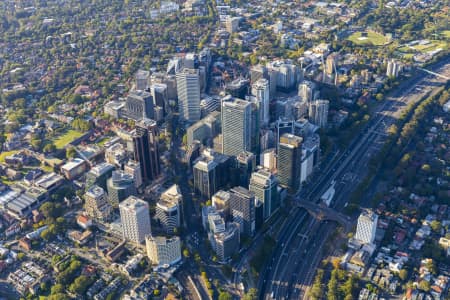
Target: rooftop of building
(173, 191)
(142, 74)
(170, 198)
(139, 94)
(188, 71)
(238, 83)
(95, 191)
(114, 104)
(245, 156)
(242, 192)
(48, 180)
(74, 163)
(367, 213)
(261, 82)
(235, 102)
(118, 177)
(222, 195)
(132, 203)
(146, 122)
(162, 240)
(101, 169)
(231, 230)
(290, 139)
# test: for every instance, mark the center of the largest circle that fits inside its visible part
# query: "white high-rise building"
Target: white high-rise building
(261, 90)
(135, 219)
(306, 90)
(188, 91)
(286, 74)
(133, 168)
(226, 243)
(393, 68)
(236, 126)
(264, 185)
(318, 112)
(168, 209)
(367, 227)
(96, 204)
(268, 159)
(162, 250)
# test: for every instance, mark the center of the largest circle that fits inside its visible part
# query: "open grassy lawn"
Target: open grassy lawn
(433, 45)
(66, 138)
(446, 33)
(372, 37)
(5, 154)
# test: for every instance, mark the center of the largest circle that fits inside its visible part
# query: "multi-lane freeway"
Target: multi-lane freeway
(291, 268)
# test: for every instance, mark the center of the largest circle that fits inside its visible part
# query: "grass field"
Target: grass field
(446, 33)
(66, 138)
(373, 38)
(5, 154)
(433, 45)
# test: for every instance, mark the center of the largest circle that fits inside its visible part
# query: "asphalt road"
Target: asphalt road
(288, 274)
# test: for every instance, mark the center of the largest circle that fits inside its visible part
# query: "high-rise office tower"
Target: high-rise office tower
(289, 161)
(318, 112)
(134, 169)
(393, 68)
(120, 186)
(255, 128)
(140, 105)
(273, 79)
(221, 202)
(203, 80)
(163, 251)
(211, 172)
(264, 185)
(306, 90)
(205, 129)
(242, 208)
(226, 243)
(168, 209)
(261, 90)
(135, 219)
(99, 175)
(174, 65)
(205, 178)
(96, 204)
(268, 159)
(367, 227)
(238, 88)
(146, 148)
(160, 95)
(116, 155)
(246, 164)
(300, 110)
(188, 90)
(286, 74)
(142, 80)
(216, 222)
(236, 126)
(257, 72)
(190, 61)
(331, 63)
(232, 24)
(204, 58)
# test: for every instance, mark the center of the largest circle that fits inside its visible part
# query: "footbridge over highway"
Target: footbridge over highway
(322, 212)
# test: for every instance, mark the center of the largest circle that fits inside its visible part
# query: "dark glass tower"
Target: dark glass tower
(289, 161)
(146, 148)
